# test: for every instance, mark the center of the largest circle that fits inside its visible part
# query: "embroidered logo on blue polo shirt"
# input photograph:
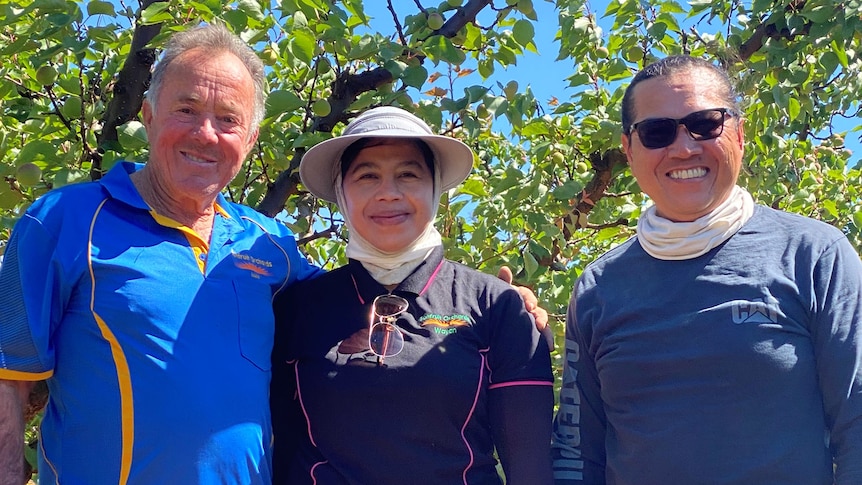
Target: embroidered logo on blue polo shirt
(257, 267)
(444, 323)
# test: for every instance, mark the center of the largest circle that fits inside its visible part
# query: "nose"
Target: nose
(205, 131)
(388, 189)
(684, 145)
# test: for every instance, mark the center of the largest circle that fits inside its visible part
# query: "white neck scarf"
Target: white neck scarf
(391, 268)
(665, 239)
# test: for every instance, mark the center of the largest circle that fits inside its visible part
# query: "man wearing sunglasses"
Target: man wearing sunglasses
(722, 344)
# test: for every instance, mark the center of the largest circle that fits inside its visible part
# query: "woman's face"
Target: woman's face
(389, 192)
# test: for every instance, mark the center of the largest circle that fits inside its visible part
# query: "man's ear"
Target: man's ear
(626, 141)
(740, 133)
(146, 113)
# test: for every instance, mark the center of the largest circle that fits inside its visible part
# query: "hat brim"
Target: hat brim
(321, 163)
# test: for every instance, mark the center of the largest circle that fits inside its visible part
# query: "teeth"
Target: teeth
(688, 174)
(196, 159)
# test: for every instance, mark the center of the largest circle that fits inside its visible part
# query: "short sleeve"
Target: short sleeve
(29, 302)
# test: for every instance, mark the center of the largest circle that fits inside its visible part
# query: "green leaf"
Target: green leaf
(506, 56)
(303, 45)
(105, 35)
(831, 207)
(657, 30)
(36, 150)
(396, 67)
(473, 187)
(819, 13)
(66, 176)
(251, 8)
(793, 108)
(414, 76)
(366, 46)
(282, 101)
(530, 264)
(535, 128)
(497, 105)
(475, 93)
(486, 68)
(156, 13)
(440, 48)
(567, 191)
(98, 7)
(132, 135)
(512, 177)
(829, 60)
(841, 53)
(300, 21)
(523, 32)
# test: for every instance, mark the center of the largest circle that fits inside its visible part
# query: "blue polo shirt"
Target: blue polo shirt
(156, 344)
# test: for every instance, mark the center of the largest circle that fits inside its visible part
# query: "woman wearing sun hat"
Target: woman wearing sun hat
(406, 367)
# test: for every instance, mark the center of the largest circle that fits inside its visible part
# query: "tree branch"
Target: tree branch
(768, 30)
(317, 235)
(128, 92)
(604, 164)
(346, 88)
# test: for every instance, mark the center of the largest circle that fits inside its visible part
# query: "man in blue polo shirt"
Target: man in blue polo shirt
(145, 298)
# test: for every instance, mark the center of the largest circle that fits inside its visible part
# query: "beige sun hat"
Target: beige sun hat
(322, 163)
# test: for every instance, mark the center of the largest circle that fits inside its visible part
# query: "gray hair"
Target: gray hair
(672, 65)
(215, 38)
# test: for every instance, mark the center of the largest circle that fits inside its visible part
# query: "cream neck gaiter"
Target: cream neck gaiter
(665, 239)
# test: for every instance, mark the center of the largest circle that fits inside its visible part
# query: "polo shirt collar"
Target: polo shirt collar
(119, 184)
(368, 288)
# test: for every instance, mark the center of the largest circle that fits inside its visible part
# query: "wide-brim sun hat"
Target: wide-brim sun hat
(321, 163)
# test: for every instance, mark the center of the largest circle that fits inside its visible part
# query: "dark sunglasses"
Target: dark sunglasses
(385, 338)
(701, 125)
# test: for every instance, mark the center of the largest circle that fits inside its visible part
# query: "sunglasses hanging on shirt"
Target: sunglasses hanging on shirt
(385, 338)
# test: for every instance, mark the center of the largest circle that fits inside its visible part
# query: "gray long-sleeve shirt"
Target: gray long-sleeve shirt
(741, 366)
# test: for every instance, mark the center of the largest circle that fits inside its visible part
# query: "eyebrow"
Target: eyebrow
(356, 165)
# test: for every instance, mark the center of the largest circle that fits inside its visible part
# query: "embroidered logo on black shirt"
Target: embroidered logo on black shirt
(444, 323)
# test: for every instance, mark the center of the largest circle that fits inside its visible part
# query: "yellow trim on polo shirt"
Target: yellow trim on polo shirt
(124, 376)
(199, 247)
(14, 375)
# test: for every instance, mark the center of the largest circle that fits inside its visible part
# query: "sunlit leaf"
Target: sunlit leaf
(523, 32)
(414, 76)
(97, 7)
(155, 13)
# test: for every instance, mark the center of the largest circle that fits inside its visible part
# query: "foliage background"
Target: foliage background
(550, 189)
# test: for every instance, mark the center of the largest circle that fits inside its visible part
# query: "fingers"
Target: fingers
(541, 317)
(531, 304)
(505, 274)
(530, 300)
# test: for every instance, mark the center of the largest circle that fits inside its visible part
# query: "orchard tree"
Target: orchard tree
(550, 189)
